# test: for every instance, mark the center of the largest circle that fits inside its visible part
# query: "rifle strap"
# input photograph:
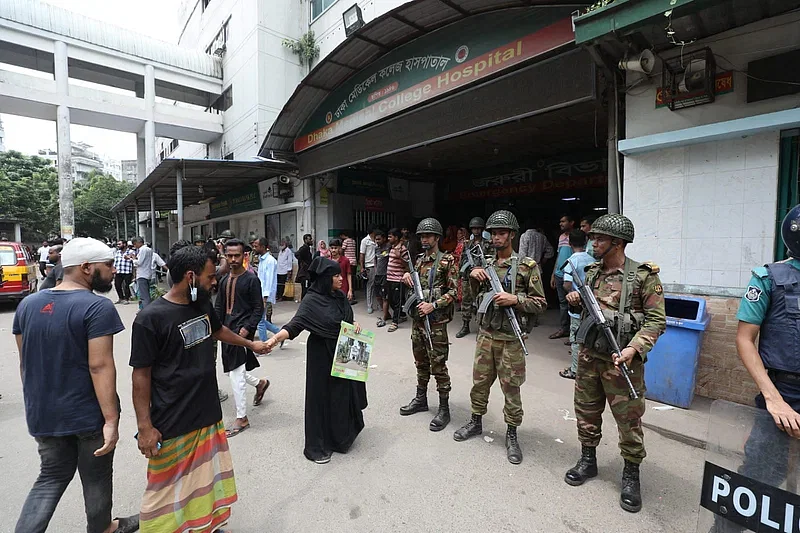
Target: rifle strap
(626, 296)
(432, 272)
(514, 264)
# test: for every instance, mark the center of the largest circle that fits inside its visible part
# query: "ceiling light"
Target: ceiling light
(573, 199)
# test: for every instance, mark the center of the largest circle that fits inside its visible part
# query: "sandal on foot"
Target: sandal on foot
(381, 322)
(567, 373)
(392, 328)
(559, 334)
(127, 524)
(232, 432)
(260, 394)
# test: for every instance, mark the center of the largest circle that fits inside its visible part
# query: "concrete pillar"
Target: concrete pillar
(141, 165)
(149, 125)
(153, 219)
(179, 194)
(64, 144)
(136, 229)
(149, 146)
(125, 223)
(613, 155)
(17, 233)
(116, 222)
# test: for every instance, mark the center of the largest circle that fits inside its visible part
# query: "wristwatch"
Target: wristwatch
(435, 305)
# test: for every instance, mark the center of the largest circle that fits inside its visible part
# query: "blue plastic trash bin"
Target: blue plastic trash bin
(671, 369)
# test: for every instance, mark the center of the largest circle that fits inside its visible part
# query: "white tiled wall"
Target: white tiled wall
(705, 213)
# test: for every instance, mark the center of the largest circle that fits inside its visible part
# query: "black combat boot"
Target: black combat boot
(585, 469)
(442, 417)
(513, 451)
(470, 429)
(417, 405)
(464, 331)
(630, 498)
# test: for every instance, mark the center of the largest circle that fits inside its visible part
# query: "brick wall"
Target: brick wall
(720, 372)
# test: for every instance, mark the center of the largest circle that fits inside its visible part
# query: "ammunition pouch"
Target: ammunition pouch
(495, 318)
(591, 335)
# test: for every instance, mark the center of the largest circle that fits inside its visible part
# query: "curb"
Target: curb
(674, 435)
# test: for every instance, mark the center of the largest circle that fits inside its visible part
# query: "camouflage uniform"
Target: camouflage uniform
(599, 380)
(444, 289)
(498, 353)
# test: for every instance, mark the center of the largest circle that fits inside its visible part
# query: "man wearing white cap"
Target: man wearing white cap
(70, 387)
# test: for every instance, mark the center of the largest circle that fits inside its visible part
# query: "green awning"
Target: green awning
(624, 15)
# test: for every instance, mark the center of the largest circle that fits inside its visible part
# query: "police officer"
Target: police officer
(225, 235)
(476, 226)
(437, 274)
(632, 298)
(769, 312)
(498, 353)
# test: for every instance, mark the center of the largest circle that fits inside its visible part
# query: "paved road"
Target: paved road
(399, 476)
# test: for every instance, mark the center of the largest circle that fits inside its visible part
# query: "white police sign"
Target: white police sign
(757, 506)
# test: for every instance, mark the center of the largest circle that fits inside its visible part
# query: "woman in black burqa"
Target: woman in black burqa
(333, 417)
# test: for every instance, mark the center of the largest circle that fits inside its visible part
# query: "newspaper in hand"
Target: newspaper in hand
(353, 351)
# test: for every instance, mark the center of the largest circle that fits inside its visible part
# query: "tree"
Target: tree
(94, 198)
(29, 193)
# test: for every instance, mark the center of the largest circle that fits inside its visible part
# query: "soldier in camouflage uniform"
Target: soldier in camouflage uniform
(631, 296)
(476, 226)
(499, 353)
(438, 274)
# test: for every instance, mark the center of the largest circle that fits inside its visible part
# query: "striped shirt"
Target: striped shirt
(397, 265)
(349, 251)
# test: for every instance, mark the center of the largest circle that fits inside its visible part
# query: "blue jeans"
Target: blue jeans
(266, 323)
(60, 457)
(144, 291)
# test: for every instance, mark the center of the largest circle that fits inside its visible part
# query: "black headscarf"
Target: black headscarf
(322, 309)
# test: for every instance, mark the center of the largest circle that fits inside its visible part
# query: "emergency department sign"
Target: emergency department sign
(436, 64)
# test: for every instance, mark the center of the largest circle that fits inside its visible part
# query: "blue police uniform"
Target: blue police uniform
(772, 301)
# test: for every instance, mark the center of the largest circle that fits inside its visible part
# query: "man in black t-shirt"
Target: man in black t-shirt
(175, 398)
(56, 274)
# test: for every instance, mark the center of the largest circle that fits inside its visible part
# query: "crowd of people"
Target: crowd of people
(225, 292)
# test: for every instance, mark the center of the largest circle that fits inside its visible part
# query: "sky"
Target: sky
(154, 18)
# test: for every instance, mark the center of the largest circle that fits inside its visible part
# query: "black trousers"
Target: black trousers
(122, 283)
(60, 458)
(395, 290)
(281, 286)
(43, 268)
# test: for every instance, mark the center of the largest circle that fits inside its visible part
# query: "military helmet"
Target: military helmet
(614, 225)
(227, 234)
(790, 231)
(477, 222)
(198, 238)
(430, 225)
(502, 219)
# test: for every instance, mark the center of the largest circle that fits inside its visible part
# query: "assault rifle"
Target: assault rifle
(496, 288)
(417, 297)
(599, 318)
(469, 264)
